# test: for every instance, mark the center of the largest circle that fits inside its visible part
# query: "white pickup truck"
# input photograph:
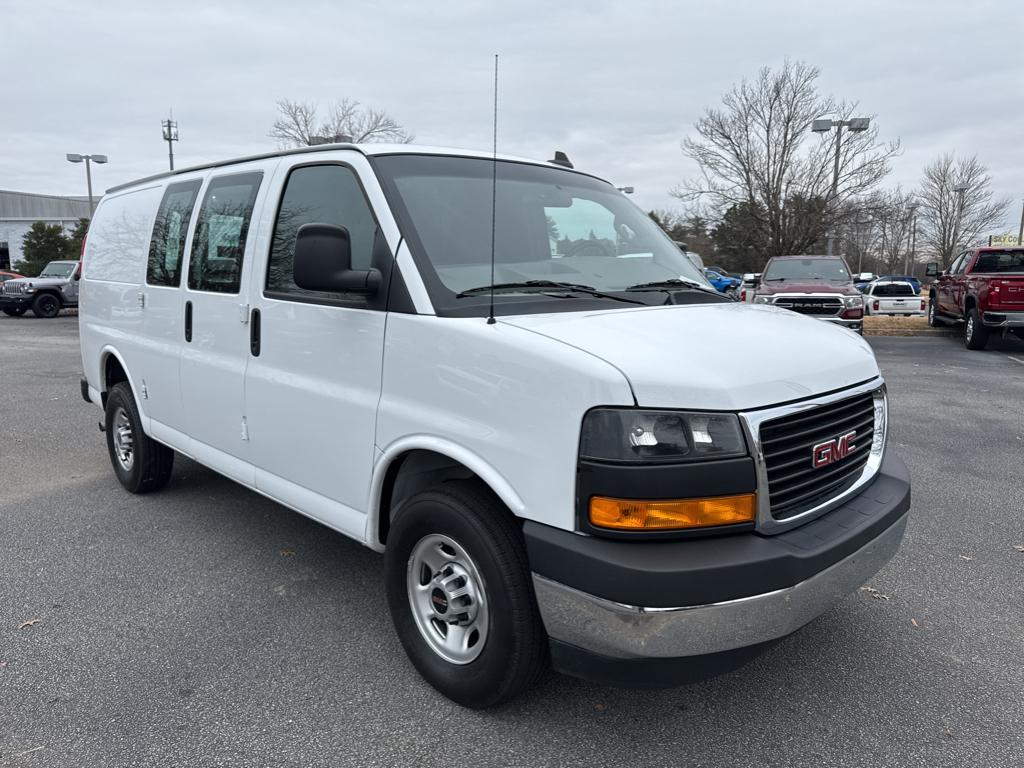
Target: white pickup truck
(893, 297)
(505, 377)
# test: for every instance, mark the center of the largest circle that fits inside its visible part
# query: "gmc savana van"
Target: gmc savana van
(501, 374)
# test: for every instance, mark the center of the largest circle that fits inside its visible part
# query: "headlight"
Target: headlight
(624, 434)
(762, 299)
(853, 302)
(30, 288)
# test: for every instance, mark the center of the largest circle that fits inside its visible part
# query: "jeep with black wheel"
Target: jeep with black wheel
(55, 288)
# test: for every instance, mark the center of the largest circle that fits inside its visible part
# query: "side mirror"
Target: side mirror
(323, 262)
(932, 269)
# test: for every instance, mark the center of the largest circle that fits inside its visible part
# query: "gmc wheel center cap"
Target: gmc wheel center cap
(439, 600)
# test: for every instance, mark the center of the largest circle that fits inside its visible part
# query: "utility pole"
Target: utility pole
(1020, 232)
(912, 237)
(959, 216)
(170, 127)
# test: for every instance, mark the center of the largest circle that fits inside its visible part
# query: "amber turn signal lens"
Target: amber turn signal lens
(639, 515)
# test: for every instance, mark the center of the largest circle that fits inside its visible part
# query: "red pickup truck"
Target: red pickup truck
(984, 289)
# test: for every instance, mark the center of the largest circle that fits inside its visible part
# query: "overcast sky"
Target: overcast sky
(616, 85)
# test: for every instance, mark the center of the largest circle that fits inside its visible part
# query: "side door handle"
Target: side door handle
(254, 333)
(188, 321)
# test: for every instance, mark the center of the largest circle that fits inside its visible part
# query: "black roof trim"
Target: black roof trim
(236, 161)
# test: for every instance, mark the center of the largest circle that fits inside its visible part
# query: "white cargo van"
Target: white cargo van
(549, 449)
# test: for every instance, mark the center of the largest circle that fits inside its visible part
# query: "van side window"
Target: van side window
(218, 246)
(167, 244)
(325, 194)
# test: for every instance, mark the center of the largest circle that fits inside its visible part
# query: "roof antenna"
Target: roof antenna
(494, 187)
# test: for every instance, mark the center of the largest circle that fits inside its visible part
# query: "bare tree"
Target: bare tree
(957, 205)
(893, 218)
(298, 124)
(757, 151)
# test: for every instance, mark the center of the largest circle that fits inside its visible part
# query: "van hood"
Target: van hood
(714, 356)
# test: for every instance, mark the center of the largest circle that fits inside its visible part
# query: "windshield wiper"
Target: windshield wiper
(673, 284)
(543, 286)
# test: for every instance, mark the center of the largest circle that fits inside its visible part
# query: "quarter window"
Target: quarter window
(218, 246)
(324, 194)
(167, 245)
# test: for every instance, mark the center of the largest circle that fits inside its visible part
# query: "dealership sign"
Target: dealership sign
(1003, 240)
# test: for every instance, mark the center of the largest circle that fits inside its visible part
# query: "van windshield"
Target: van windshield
(551, 226)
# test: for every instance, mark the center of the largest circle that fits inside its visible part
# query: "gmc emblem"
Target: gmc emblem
(833, 450)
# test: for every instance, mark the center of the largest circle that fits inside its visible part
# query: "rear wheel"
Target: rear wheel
(140, 463)
(46, 305)
(975, 333)
(460, 595)
(14, 311)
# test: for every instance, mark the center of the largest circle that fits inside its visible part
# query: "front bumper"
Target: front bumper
(1003, 319)
(15, 301)
(637, 612)
(853, 325)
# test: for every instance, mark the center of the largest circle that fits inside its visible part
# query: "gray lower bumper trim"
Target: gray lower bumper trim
(627, 631)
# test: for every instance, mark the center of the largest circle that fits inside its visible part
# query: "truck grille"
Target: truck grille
(811, 305)
(11, 288)
(788, 443)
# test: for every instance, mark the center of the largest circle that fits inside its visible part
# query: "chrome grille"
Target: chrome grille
(11, 288)
(787, 444)
(811, 305)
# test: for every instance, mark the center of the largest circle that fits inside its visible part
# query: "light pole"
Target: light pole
(856, 125)
(170, 127)
(911, 236)
(72, 158)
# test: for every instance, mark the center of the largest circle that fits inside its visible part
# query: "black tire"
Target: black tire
(151, 462)
(46, 306)
(975, 333)
(933, 313)
(514, 652)
(14, 311)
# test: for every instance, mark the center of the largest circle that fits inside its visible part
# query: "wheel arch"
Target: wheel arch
(113, 370)
(416, 463)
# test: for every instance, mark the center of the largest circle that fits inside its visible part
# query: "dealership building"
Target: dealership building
(20, 210)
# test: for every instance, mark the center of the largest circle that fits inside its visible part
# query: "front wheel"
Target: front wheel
(460, 595)
(46, 306)
(933, 321)
(975, 333)
(140, 463)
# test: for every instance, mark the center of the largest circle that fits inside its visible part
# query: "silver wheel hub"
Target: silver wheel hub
(447, 598)
(970, 327)
(124, 439)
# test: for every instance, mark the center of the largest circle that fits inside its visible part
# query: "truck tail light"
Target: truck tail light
(924, 305)
(743, 295)
(874, 305)
(679, 514)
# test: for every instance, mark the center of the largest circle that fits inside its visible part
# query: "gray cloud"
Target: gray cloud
(615, 85)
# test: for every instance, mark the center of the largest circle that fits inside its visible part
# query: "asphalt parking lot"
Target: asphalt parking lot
(207, 626)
